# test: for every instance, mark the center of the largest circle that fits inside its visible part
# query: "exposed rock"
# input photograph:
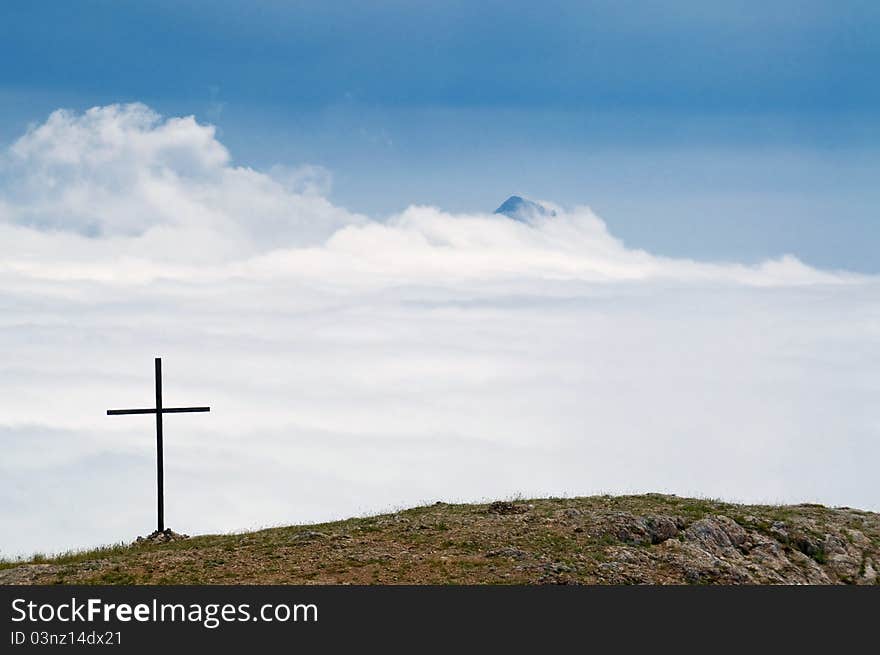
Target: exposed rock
(509, 552)
(161, 537)
(780, 531)
(652, 529)
(506, 507)
(716, 534)
(661, 528)
(557, 567)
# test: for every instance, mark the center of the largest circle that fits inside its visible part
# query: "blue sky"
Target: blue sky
(734, 132)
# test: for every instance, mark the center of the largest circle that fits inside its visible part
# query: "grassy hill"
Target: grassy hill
(602, 539)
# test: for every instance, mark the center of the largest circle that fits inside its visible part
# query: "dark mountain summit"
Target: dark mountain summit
(524, 210)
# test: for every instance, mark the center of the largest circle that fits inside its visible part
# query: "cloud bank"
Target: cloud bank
(356, 363)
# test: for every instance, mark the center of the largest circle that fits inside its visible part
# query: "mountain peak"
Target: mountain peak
(522, 209)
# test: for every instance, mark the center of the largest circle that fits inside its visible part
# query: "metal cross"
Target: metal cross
(158, 410)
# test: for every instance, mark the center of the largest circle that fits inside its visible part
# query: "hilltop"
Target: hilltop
(657, 539)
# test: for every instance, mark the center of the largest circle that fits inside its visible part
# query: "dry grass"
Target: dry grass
(529, 541)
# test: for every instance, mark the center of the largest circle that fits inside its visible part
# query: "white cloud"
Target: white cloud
(355, 364)
(122, 171)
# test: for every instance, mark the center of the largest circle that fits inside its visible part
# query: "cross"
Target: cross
(159, 410)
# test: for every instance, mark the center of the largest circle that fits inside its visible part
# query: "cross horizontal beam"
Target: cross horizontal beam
(153, 410)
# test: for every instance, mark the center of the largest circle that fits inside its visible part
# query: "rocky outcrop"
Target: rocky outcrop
(161, 537)
(717, 549)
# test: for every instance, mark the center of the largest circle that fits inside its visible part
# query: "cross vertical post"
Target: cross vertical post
(159, 410)
(160, 473)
